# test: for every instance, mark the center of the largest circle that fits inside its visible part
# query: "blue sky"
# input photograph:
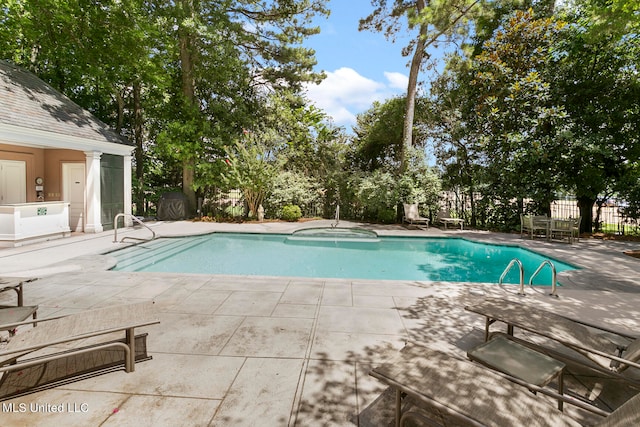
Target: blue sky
(361, 67)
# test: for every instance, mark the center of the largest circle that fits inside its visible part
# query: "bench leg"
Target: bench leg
(561, 389)
(398, 406)
(130, 363)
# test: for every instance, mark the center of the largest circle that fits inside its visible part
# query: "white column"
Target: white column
(93, 222)
(127, 190)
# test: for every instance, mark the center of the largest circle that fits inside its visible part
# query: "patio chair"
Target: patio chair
(606, 350)
(439, 389)
(534, 225)
(35, 358)
(575, 229)
(561, 229)
(19, 312)
(412, 215)
(445, 218)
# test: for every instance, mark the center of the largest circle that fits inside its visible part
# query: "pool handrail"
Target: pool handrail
(521, 268)
(115, 228)
(337, 217)
(553, 276)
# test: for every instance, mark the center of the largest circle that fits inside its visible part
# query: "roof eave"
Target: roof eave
(37, 138)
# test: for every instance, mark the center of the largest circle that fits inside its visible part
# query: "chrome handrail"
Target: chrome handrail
(115, 228)
(520, 267)
(553, 276)
(337, 218)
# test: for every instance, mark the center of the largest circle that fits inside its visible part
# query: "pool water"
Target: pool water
(386, 258)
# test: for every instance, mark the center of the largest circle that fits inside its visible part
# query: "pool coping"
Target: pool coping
(112, 263)
(592, 273)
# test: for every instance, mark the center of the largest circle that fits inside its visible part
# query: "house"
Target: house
(61, 169)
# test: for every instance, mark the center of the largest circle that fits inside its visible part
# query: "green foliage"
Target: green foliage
(234, 211)
(521, 130)
(419, 184)
(292, 188)
(375, 195)
(251, 170)
(379, 135)
(181, 78)
(291, 213)
(438, 23)
(549, 103)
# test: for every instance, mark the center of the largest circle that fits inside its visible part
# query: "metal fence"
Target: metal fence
(610, 216)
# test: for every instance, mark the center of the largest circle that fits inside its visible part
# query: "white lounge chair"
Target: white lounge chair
(411, 214)
(445, 218)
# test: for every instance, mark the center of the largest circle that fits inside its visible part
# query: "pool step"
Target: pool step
(141, 256)
(135, 253)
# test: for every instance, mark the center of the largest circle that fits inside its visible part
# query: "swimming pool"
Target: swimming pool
(385, 258)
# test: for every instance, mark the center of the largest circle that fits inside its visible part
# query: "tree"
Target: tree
(452, 125)
(523, 127)
(187, 75)
(251, 169)
(258, 43)
(544, 106)
(437, 21)
(596, 76)
(85, 51)
(378, 135)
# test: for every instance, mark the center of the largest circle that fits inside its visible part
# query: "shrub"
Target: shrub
(291, 213)
(234, 211)
(292, 188)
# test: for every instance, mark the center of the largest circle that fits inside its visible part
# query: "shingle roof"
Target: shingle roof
(29, 102)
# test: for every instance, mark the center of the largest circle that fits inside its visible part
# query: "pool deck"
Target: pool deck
(277, 351)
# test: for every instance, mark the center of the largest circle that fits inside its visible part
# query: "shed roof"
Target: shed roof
(28, 102)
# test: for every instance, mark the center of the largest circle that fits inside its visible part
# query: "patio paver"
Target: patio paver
(277, 351)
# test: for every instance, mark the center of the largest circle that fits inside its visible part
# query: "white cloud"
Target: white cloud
(397, 80)
(345, 93)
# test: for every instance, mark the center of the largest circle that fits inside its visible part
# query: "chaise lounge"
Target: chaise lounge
(609, 351)
(34, 358)
(436, 388)
(412, 215)
(445, 218)
(19, 312)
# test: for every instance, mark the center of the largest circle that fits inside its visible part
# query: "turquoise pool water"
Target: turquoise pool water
(392, 258)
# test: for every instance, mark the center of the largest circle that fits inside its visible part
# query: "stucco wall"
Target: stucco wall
(34, 160)
(54, 158)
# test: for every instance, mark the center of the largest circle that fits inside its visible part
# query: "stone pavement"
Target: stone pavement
(279, 351)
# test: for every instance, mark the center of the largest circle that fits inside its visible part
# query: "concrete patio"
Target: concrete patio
(279, 351)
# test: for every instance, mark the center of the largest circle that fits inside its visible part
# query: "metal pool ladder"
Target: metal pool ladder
(521, 268)
(337, 218)
(115, 229)
(553, 276)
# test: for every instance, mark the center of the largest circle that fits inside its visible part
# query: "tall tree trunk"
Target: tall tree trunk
(189, 93)
(140, 158)
(410, 104)
(416, 62)
(585, 203)
(412, 90)
(120, 112)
